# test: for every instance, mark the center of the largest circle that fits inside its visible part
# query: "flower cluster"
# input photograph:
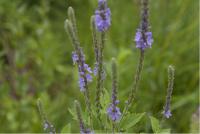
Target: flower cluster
(83, 129)
(143, 37)
(84, 70)
(114, 112)
(143, 40)
(102, 16)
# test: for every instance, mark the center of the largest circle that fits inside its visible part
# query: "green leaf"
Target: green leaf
(165, 131)
(73, 113)
(105, 100)
(131, 120)
(66, 129)
(155, 124)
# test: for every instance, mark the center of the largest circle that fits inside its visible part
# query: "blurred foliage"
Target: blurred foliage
(35, 60)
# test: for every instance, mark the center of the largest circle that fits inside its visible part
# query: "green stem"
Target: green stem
(135, 85)
(87, 101)
(99, 86)
(48, 126)
(113, 128)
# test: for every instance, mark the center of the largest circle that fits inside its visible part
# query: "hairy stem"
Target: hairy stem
(99, 86)
(78, 112)
(48, 127)
(95, 39)
(113, 127)
(135, 85)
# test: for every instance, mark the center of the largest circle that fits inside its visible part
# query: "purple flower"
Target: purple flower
(167, 113)
(116, 102)
(149, 38)
(143, 37)
(84, 70)
(143, 40)
(102, 16)
(82, 84)
(114, 112)
(74, 57)
(87, 68)
(89, 77)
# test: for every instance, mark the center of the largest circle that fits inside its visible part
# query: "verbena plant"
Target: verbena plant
(103, 115)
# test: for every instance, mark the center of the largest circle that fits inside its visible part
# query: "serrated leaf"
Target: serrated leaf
(66, 129)
(155, 124)
(131, 120)
(73, 113)
(105, 101)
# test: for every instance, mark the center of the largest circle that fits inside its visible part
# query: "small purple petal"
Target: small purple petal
(101, 2)
(74, 57)
(82, 84)
(81, 73)
(117, 102)
(87, 68)
(138, 36)
(46, 125)
(89, 77)
(149, 38)
(167, 113)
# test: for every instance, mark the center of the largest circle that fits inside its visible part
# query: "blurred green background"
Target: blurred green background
(35, 60)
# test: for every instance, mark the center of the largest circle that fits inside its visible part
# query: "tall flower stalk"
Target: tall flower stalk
(102, 22)
(79, 59)
(143, 40)
(167, 112)
(48, 127)
(83, 129)
(113, 111)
